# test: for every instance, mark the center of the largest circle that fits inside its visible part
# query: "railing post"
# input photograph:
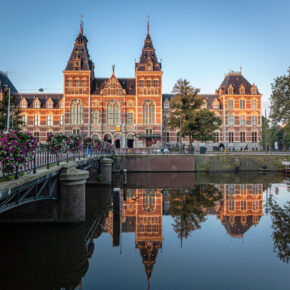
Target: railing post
(80, 154)
(34, 164)
(66, 157)
(57, 159)
(47, 157)
(16, 172)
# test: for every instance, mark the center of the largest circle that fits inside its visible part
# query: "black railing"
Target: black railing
(45, 159)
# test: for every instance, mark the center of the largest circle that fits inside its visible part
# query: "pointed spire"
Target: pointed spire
(147, 24)
(81, 24)
(113, 69)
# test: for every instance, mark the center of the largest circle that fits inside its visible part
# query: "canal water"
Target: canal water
(161, 231)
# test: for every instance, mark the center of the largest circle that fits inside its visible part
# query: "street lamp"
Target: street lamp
(121, 121)
(180, 134)
(8, 111)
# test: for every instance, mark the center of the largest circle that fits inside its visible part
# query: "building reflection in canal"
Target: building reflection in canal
(237, 206)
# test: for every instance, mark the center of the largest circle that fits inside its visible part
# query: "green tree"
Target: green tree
(15, 113)
(280, 99)
(197, 124)
(188, 207)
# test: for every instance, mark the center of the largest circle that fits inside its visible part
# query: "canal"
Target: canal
(160, 231)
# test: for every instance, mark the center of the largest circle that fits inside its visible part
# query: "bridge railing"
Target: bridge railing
(44, 158)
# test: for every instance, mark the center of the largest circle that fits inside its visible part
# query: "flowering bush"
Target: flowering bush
(74, 143)
(57, 143)
(103, 146)
(88, 141)
(16, 148)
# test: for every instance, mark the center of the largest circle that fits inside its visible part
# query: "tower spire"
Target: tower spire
(81, 24)
(147, 24)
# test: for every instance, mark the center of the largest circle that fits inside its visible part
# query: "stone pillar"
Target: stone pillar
(73, 194)
(106, 170)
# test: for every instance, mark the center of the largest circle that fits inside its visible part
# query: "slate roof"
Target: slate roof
(4, 82)
(236, 79)
(148, 52)
(43, 98)
(128, 84)
(81, 52)
(238, 230)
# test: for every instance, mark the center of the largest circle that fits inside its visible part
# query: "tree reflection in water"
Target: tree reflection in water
(188, 207)
(280, 216)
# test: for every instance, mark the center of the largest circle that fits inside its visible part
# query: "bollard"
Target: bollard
(106, 170)
(72, 192)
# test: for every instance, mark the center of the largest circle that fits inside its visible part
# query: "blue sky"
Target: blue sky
(197, 40)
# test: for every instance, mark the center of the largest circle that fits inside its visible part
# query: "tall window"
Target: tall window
(84, 82)
(95, 118)
(49, 120)
(254, 188)
(113, 113)
(230, 104)
(148, 83)
(61, 120)
(231, 120)
(77, 83)
(148, 200)
(254, 120)
(255, 205)
(36, 136)
(231, 204)
(242, 104)
(167, 137)
(69, 83)
(231, 136)
(36, 120)
(243, 205)
(254, 136)
(148, 112)
(216, 136)
(24, 120)
(48, 134)
(253, 104)
(231, 189)
(242, 120)
(141, 83)
(155, 83)
(76, 112)
(243, 188)
(130, 118)
(242, 137)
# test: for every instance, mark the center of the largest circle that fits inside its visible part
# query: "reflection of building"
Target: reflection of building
(142, 214)
(241, 207)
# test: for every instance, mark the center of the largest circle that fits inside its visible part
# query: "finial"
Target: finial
(113, 68)
(147, 24)
(81, 24)
(240, 69)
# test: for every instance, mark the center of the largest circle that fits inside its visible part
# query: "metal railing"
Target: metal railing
(45, 159)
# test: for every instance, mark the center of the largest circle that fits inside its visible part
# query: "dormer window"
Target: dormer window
(77, 64)
(216, 106)
(61, 105)
(23, 105)
(230, 91)
(36, 105)
(149, 65)
(242, 91)
(254, 91)
(49, 105)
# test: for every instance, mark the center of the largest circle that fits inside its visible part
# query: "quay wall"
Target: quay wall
(207, 162)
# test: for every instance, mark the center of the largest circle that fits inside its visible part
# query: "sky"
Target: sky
(198, 40)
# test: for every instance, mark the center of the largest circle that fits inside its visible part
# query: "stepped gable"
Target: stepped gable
(43, 98)
(80, 57)
(5, 82)
(128, 84)
(236, 79)
(148, 54)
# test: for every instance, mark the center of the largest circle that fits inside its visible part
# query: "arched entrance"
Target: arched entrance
(130, 141)
(95, 137)
(221, 147)
(108, 137)
(117, 140)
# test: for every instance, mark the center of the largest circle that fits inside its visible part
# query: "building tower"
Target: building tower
(148, 75)
(78, 77)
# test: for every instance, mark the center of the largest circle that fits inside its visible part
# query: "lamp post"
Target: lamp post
(180, 134)
(8, 111)
(121, 121)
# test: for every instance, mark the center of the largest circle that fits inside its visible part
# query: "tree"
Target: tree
(16, 120)
(280, 99)
(197, 124)
(186, 96)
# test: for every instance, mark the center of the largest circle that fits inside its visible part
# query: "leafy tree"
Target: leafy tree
(281, 229)
(197, 124)
(280, 99)
(15, 113)
(188, 207)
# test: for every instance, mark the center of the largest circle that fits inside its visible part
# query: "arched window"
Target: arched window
(113, 113)
(149, 197)
(148, 112)
(76, 112)
(95, 118)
